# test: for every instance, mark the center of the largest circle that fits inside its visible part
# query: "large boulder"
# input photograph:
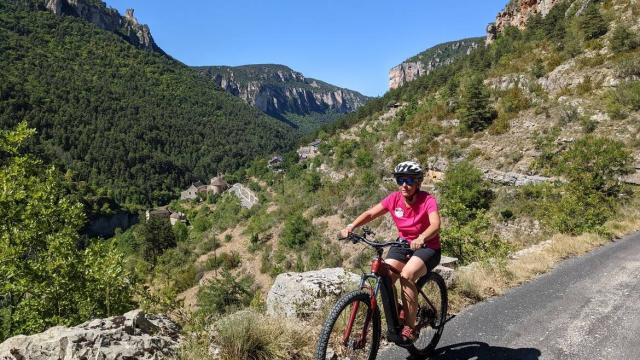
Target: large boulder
(303, 294)
(134, 335)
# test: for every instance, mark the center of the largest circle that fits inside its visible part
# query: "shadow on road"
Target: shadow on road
(483, 351)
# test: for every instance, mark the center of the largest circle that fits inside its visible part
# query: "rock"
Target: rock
(107, 19)
(278, 90)
(248, 198)
(511, 178)
(134, 335)
(448, 274)
(431, 59)
(448, 261)
(301, 295)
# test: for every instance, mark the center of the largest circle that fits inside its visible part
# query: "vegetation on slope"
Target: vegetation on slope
(134, 122)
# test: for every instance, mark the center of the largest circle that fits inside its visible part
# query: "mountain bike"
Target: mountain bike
(353, 328)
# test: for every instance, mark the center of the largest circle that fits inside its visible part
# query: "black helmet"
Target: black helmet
(411, 168)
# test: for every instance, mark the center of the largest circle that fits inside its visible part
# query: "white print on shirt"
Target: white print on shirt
(399, 212)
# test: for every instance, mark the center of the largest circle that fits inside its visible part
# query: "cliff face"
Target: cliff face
(278, 90)
(430, 59)
(518, 12)
(107, 19)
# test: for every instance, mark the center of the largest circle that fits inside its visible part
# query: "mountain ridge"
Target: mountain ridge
(280, 91)
(428, 60)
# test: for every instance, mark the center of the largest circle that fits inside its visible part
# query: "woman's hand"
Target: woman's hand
(417, 243)
(345, 232)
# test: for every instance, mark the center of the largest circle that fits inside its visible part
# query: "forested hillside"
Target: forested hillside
(532, 143)
(134, 122)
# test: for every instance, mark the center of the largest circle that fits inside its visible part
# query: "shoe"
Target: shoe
(409, 335)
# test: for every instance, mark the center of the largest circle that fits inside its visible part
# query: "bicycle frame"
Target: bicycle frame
(380, 272)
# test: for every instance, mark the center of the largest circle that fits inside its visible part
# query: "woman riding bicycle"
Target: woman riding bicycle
(415, 213)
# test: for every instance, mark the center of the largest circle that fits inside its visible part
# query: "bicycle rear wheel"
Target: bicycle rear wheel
(361, 340)
(431, 315)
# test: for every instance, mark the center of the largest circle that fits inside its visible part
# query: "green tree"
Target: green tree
(596, 164)
(476, 112)
(224, 294)
(296, 232)
(465, 196)
(45, 277)
(592, 23)
(623, 39)
(463, 192)
(154, 236)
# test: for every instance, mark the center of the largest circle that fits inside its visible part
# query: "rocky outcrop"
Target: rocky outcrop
(134, 335)
(430, 59)
(518, 12)
(303, 294)
(278, 90)
(108, 19)
(405, 72)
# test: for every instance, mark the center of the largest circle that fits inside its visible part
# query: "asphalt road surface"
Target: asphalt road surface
(588, 307)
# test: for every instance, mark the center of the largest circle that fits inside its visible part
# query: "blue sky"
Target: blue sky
(348, 43)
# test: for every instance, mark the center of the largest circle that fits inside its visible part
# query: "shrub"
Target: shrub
(225, 294)
(513, 101)
(463, 192)
(297, 230)
(249, 335)
(627, 95)
(475, 111)
(595, 164)
(312, 181)
(592, 23)
(153, 237)
(623, 40)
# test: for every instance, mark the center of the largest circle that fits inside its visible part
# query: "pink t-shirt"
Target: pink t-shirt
(413, 220)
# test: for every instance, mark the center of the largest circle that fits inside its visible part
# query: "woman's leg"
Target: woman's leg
(411, 272)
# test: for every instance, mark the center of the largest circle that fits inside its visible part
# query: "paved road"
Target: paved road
(587, 308)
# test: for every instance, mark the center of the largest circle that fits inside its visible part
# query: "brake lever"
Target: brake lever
(367, 231)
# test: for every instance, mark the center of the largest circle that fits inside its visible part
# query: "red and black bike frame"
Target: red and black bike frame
(381, 274)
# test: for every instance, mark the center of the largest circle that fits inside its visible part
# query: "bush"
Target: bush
(623, 40)
(249, 335)
(513, 101)
(154, 236)
(596, 164)
(627, 95)
(225, 294)
(297, 230)
(475, 111)
(463, 192)
(592, 24)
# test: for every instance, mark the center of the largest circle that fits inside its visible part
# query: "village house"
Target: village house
(309, 151)
(275, 163)
(217, 185)
(161, 212)
(192, 192)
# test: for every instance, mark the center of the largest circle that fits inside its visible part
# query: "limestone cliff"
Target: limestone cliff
(97, 13)
(518, 12)
(430, 59)
(278, 90)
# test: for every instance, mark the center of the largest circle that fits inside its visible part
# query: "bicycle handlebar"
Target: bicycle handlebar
(355, 238)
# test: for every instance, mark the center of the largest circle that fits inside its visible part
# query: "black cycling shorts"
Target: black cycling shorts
(430, 257)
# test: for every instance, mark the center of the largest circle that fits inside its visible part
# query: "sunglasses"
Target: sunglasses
(406, 180)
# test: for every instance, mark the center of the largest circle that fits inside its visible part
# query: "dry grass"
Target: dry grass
(480, 281)
(249, 335)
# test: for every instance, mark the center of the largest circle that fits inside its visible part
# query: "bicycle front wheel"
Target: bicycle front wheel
(351, 331)
(431, 316)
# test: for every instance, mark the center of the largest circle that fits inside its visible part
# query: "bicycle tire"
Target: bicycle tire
(434, 287)
(330, 347)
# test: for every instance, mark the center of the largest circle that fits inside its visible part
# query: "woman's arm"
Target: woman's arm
(430, 232)
(364, 218)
